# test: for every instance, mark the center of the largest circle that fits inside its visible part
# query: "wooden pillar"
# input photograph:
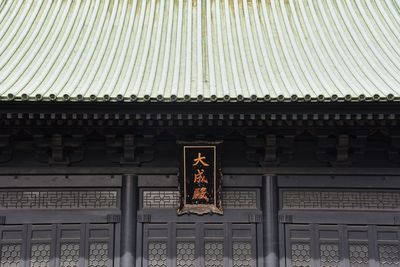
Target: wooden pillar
(270, 222)
(129, 204)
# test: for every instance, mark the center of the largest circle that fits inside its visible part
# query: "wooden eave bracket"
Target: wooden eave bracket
(6, 149)
(394, 151)
(130, 149)
(341, 149)
(58, 149)
(276, 148)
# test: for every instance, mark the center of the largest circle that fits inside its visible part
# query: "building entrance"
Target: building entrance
(340, 226)
(53, 245)
(210, 240)
(54, 221)
(342, 245)
(200, 244)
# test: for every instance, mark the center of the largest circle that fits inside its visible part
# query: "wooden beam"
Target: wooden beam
(174, 170)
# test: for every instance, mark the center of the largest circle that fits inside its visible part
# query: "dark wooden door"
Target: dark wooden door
(199, 244)
(312, 245)
(54, 245)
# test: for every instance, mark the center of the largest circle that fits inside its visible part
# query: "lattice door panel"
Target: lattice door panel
(12, 246)
(342, 245)
(199, 244)
(54, 245)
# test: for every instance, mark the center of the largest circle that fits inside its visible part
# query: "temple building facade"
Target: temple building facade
(204, 133)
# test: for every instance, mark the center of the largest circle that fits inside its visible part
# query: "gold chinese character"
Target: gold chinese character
(199, 177)
(200, 194)
(200, 159)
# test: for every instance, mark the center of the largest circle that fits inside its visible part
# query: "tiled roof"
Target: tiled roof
(200, 50)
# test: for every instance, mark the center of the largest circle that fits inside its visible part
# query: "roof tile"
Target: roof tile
(200, 50)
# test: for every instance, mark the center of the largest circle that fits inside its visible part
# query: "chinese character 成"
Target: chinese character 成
(200, 159)
(200, 194)
(199, 177)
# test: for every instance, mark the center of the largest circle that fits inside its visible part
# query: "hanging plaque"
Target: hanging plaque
(200, 178)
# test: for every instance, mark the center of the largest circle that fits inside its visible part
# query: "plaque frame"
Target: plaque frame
(184, 178)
